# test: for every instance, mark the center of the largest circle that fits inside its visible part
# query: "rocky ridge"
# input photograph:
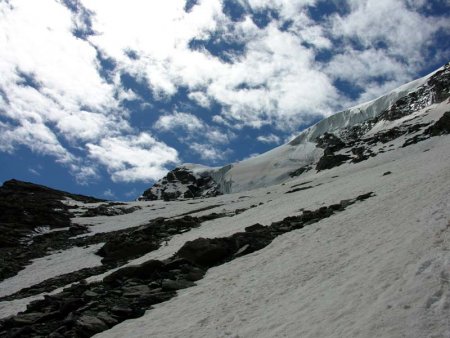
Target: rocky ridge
(354, 142)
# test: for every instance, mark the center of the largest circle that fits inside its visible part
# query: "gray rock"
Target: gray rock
(135, 291)
(108, 319)
(168, 284)
(91, 324)
(28, 318)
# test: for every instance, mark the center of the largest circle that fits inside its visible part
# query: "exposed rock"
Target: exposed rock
(182, 183)
(109, 210)
(330, 141)
(299, 189)
(90, 324)
(331, 161)
(207, 252)
(441, 127)
(300, 171)
(146, 270)
(171, 285)
(26, 206)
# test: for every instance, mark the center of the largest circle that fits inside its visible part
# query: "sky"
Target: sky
(103, 97)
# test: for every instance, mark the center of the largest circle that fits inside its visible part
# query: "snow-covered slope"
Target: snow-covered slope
(275, 166)
(354, 242)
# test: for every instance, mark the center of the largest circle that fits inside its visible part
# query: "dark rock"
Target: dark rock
(195, 274)
(387, 173)
(77, 229)
(122, 311)
(171, 285)
(182, 183)
(256, 227)
(331, 161)
(27, 318)
(108, 210)
(360, 153)
(26, 206)
(298, 172)
(363, 197)
(441, 127)
(143, 271)
(176, 264)
(123, 248)
(90, 324)
(144, 239)
(107, 319)
(207, 252)
(415, 139)
(135, 291)
(330, 142)
(70, 304)
(298, 189)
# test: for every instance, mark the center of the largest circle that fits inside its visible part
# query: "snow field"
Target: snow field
(378, 269)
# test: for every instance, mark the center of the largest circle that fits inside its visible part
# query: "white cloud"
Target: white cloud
(133, 158)
(193, 126)
(52, 90)
(186, 121)
(108, 193)
(393, 39)
(274, 80)
(271, 138)
(38, 137)
(34, 172)
(201, 99)
(209, 152)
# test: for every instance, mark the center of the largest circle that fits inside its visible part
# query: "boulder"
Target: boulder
(144, 271)
(207, 252)
(331, 161)
(90, 324)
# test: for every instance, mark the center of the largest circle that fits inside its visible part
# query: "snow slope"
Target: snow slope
(380, 268)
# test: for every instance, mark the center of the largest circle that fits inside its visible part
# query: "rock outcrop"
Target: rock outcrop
(182, 183)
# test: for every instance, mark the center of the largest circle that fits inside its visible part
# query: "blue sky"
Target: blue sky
(103, 97)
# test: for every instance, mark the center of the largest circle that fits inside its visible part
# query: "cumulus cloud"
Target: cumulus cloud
(53, 92)
(195, 128)
(273, 80)
(129, 158)
(383, 39)
(108, 193)
(208, 152)
(271, 138)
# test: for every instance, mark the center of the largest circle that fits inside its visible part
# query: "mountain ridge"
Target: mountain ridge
(302, 153)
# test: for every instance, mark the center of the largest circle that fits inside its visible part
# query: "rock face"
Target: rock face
(182, 183)
(25, 206)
